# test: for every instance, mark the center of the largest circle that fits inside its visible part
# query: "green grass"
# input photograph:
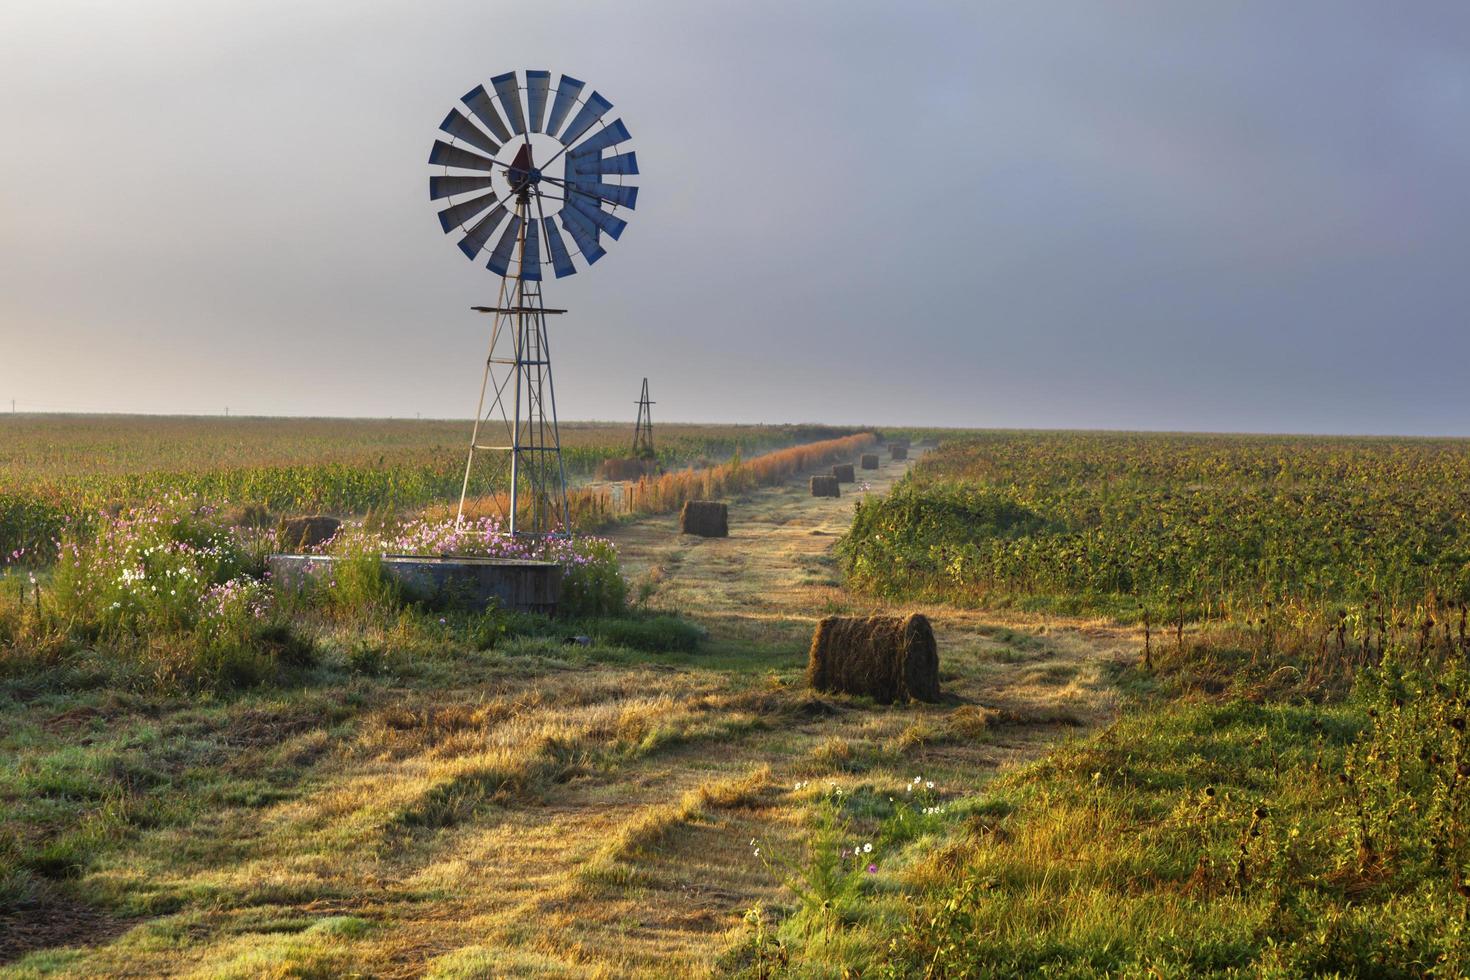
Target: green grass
(1243, 834)
(1285, 812)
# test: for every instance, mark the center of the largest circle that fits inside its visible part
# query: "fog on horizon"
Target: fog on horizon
(1244, 217)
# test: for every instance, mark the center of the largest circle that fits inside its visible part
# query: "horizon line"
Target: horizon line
(1100, 430)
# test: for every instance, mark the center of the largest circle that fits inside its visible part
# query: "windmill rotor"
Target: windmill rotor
(553, 158)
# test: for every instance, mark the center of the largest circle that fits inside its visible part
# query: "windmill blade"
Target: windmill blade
(583, 233)
(623, 195)
(561, 261)
(531, 255)
(605, 137)
(500, 258)
(509, 91)
(610, 224)
(440, 187)
(478, 236)
(592, 110)
(456, 125)
(452, 217)
(624, 165)
(483, 107)
(567, 91)
(457, 156)
(537, 84)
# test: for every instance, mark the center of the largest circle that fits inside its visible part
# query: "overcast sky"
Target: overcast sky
(1246, 216)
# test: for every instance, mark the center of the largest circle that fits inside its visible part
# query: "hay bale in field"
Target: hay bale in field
(629, 468)
(843, 473)
(825, 486)
(887, 658)
(869, 461)
(898, 452)
(900, 443)
(706, 518)
(306, 532)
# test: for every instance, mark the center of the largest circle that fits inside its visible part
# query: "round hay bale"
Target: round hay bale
(887, 658)
(843, 473)
(825, 486)
(869, 461)
(706, 518)
(900, 443)
(898, 452)
(306, 532)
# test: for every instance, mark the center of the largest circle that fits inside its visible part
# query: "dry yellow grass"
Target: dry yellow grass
(532, 820)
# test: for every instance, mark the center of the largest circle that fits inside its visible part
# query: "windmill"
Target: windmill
(495, 175)
(643, 428)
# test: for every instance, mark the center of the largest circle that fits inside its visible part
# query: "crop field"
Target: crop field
(1217, 525)
(55, 467)
(1203, 713)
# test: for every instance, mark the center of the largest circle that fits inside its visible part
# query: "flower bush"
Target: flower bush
(236, 602)
(165, 588)
(163, 566)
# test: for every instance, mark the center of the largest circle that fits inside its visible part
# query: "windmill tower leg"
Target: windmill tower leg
(522, 438)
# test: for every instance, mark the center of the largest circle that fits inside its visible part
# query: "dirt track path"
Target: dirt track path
(776, 575)
(617, 874)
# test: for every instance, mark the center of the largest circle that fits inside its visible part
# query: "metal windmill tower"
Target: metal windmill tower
(643, 429)
(494, 171)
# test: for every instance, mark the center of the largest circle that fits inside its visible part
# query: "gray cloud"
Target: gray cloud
(1225, 216)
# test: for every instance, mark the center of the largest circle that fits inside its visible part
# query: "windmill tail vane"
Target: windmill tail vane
(542, 173)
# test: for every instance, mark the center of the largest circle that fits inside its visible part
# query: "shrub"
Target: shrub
(254, 653)
(593, 583)
(162, 588)
(155, 568)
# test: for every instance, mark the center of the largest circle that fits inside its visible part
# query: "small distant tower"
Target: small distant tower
(643, 432)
